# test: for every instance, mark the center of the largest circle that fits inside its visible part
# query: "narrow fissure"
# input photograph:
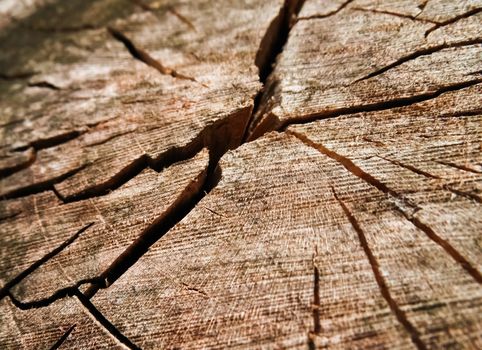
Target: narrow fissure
(63, 338)
(47, 185)
(401, 15)
(418, 53)
(459, 167)
(377, 106)
(144, 57)
(329, 14)
(315, 308)
(382, 285)
(100, 319)
(34, 146)
(453, 20)
(5, 289)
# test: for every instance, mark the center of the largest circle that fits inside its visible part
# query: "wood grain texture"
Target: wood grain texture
(241, 174)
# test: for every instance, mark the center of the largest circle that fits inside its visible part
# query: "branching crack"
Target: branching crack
(382, 285)
(186, 201)
(144, 57)
(360, 173)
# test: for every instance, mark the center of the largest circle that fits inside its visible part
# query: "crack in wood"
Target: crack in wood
(315, 308)
(418, 53)
(453, 20)
(358, 172)
(144, 57)
(270, 47)
(42, 186)
(329, 14)
(276, 124)
(382, 285)
(34, 146)
(101, 320)
(409, 167)
(44, 84)
(63, 338)
(391, 13)
(459, 166)
(17, 279)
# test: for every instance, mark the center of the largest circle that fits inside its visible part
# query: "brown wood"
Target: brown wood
(241, 174)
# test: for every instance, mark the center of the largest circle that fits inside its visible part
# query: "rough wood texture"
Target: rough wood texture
(241, 174)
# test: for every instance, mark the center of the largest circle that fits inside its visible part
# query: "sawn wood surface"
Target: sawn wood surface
(184, 174)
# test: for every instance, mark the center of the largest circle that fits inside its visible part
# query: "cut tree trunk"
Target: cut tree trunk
(241, 174)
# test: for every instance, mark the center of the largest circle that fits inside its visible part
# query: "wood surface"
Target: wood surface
(241, 174)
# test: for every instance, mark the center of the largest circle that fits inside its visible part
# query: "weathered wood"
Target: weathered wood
(241, 174)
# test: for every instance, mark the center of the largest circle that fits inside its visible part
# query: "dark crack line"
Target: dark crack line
(5, 289)
(144, 57)
(196, 290)
(329, 14)
(170, 9)
(104, 322)
(459, 167)
(63, 338)
(17, 76)
(53, 141)
(44, 84)
(421, 52)
(382, 285)
(431, 176)
(315, 308)
(401, 15)
(9, 170)
(376, 106)
(470, 196)
(182, 18)
(358, 172)
(453, 20)
(10, 216)
(37, 145)
(410, 167)
(47, 185)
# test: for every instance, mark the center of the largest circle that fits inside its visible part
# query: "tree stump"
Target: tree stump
(241, 174)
